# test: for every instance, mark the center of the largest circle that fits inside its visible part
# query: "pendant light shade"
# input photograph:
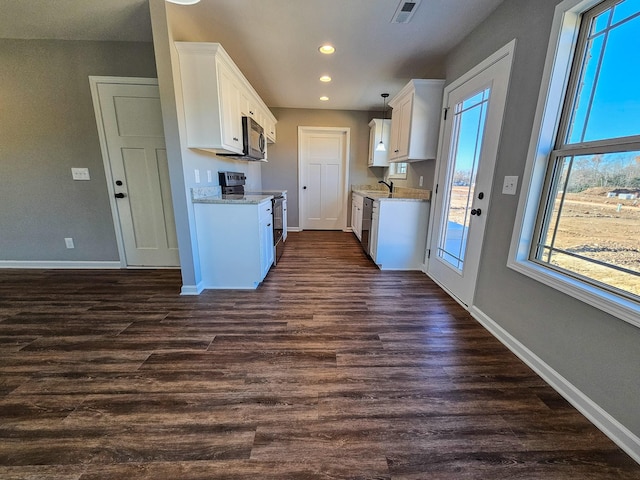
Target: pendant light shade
(381, 147)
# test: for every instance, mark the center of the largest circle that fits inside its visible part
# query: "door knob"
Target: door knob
(481, 195)
(120, 195)
(476, 211)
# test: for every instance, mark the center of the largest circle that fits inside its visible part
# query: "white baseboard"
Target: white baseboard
(58, 264)
(192, 289)
(294, 229)
(612, 428)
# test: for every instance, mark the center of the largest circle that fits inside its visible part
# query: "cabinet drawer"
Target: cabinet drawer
(265, 210)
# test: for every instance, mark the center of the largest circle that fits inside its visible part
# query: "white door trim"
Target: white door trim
(346, 131)
(94, 81)
(505, 52)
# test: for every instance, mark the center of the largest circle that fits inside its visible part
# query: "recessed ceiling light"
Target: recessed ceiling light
(327, 49)
(184, 2)
(324, 99)
(325, 78)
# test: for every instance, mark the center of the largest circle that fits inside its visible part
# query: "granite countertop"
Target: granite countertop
(234, 199)
(213, 195)
(399, 194)
(267, 192)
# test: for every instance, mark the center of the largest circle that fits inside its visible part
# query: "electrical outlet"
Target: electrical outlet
(510, 185)
(69, 243)
(209, 178)
(80, 174)
(197, 175)
(420, 181)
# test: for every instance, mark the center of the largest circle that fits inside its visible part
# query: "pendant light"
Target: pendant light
(381, 147)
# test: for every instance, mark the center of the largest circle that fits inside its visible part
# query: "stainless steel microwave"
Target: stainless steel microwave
(253, 141)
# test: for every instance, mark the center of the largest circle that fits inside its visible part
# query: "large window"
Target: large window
(584, 227)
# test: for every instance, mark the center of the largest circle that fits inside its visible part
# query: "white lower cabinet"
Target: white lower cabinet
(266, 240)
(235, 243)
(399, 234)
(356, 214)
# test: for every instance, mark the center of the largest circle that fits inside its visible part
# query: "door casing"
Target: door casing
(94, 81)
(505, 54)
(346, 131)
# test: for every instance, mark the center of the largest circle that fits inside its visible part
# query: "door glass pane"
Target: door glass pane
(468, 128)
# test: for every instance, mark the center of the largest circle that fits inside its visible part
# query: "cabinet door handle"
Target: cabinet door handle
(235, 139)
(268, 225)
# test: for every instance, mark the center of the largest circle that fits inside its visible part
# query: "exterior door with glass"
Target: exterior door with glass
(469, 146)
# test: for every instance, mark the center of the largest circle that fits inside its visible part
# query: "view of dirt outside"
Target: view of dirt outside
(605, 228)
(593, 225)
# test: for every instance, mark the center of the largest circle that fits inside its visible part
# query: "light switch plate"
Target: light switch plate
(510, 185)
(197, 175)
(80, 174)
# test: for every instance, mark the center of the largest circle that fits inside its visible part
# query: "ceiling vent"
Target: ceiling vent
(405, 11)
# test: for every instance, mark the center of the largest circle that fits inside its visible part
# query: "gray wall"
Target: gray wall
(47, 126)
(594, 351)
(282, 169)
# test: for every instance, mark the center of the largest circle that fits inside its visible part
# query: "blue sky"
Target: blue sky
(615, 110)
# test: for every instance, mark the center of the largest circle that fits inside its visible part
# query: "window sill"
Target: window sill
(620, 307)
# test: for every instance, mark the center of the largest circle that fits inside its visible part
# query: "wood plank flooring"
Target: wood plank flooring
(331, 369)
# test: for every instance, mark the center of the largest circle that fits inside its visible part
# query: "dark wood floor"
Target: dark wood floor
(332, 369)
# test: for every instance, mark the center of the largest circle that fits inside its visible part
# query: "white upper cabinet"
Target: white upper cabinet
(415, 121)
(230, 114)
(216, 96)
(379, 129)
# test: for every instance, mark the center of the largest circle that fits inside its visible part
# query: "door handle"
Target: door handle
(476, 211)
(120, 195)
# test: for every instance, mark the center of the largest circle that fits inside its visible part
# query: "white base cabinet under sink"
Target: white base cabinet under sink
(399, 234)
(235, 243)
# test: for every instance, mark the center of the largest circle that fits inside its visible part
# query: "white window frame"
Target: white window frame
(393, 170)
(562, 45)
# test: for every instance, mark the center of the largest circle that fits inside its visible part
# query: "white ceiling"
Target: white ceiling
(274, 42)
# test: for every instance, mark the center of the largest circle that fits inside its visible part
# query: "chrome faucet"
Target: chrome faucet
(389, 185)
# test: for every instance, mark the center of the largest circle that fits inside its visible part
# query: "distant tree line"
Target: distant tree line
(600, 171)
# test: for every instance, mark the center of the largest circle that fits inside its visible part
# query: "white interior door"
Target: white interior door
(323, 163)
(469, 146)
(132, 131)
